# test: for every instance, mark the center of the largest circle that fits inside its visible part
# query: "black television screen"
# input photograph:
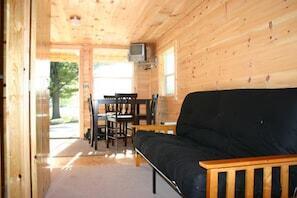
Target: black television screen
(137, 52)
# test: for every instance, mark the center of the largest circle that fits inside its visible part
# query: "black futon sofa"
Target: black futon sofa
(225, 124)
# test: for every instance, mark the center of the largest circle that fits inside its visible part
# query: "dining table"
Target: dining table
(103, 116)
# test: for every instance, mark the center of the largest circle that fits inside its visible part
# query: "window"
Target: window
(111, 78)
(169, 71)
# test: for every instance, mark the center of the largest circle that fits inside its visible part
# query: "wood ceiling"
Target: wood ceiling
(116, 22)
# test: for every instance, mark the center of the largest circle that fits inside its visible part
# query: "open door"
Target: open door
(27, 37)
(39, 96)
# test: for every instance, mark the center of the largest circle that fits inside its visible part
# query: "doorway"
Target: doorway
(64, 106)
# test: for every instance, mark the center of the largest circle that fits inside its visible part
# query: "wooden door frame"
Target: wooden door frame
(39, 59)
(17, 120)
(2, 173)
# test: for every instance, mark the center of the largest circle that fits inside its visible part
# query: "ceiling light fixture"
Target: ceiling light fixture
(75, 20)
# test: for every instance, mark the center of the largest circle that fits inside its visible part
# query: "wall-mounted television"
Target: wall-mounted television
(137, 52)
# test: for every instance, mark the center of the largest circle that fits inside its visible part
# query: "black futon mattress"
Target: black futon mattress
(221, 125)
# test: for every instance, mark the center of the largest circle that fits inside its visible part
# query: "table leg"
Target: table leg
(137, 113)
(154, 181)
(148, 113)
(95, 126)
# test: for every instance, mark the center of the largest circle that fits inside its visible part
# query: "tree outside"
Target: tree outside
(63, 85)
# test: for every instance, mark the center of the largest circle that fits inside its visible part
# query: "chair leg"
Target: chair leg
(154, 181)
(125, 131)
(116, 141)
(121, 131)
(113, 125)
(91, 134)
(92, 137)
(133, 134)
(106, 134)
(95, 137)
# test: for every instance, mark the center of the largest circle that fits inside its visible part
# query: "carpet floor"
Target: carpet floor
(71, 147)
(102, 177)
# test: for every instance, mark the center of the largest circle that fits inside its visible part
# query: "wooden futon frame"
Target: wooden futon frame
(231, 166)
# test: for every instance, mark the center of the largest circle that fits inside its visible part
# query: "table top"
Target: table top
(138, 102)
(113, 101)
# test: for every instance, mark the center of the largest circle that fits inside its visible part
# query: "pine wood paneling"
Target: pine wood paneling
(142, 82)
(86, 86)
(17, 136)
(230, 44)
(64, 57)
(111, 54)
(116, 22)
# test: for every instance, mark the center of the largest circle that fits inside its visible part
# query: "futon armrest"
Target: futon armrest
(249, 161)
(231, 166)
(156, 128)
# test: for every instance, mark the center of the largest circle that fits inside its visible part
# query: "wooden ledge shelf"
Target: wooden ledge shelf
(156, 128)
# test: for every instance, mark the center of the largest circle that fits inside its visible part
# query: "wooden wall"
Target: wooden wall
(142, 82)
(17, 135)
(63, 57)
(230, 44)
(85, 86)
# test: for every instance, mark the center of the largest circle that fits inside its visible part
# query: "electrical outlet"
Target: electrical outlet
(85, 85)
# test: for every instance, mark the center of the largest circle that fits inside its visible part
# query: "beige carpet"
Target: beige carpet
(71, 147)
(106, 178)
(78, 171)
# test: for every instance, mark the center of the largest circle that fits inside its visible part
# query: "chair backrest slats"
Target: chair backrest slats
(110, 107)
(125, 104)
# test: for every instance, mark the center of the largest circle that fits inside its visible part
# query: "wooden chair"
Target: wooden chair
(97, 131)
(153, 111)
(90, 103)
(110, 109)
(154, 105)
(117, 126)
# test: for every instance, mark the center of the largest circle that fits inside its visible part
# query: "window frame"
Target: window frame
(173, 74)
